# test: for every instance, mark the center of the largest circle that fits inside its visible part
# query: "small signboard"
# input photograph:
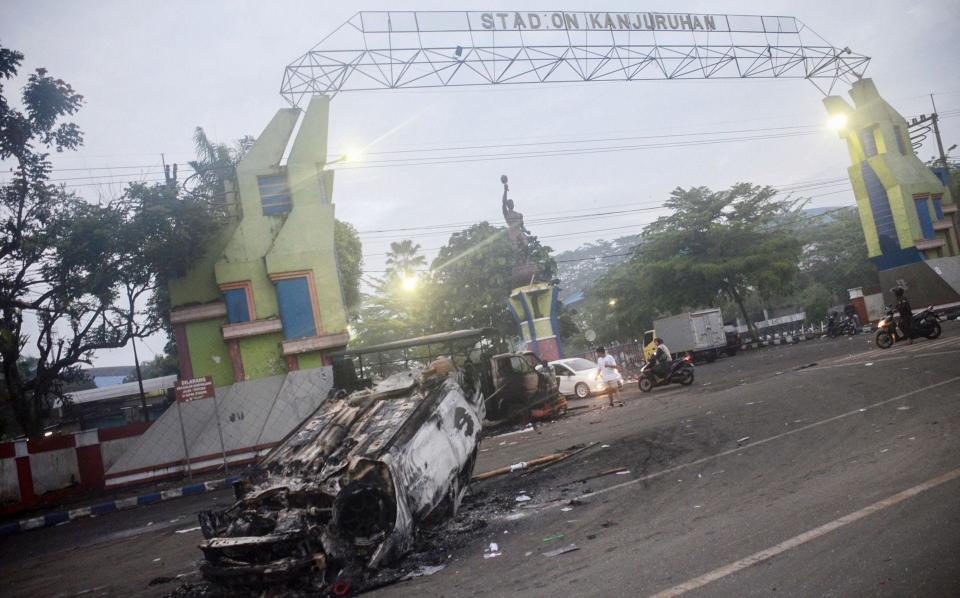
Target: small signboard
(193, 389)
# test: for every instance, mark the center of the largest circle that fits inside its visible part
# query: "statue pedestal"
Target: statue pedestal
(524, 273)
(534, 307)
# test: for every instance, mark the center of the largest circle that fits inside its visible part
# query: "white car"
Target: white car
(578, 376)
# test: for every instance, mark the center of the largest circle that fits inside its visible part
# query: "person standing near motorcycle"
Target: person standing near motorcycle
(906, 314)
(661, 359)
(607, 371)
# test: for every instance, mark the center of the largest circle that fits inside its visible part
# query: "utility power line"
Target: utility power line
(792, 131)
(445, 229)
(790, 224)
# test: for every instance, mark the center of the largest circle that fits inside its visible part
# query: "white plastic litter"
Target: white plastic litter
(559, 551)
(492, 551)
(424, 571)
(522, 498)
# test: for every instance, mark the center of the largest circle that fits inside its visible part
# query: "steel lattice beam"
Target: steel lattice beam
(404, 50)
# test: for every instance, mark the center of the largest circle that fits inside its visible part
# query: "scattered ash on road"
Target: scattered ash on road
(493, 501)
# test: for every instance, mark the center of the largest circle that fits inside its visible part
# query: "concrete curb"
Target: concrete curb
(123, 504)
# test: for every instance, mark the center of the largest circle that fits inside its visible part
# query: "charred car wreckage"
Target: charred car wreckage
(346, 491)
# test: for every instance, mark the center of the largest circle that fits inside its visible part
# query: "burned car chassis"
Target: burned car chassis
(344, 493)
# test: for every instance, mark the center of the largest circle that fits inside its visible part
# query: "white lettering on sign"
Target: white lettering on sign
(193, 389)
(620, 21)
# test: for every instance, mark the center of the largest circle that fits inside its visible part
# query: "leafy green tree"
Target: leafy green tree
(349, 262)
(836, 256)
(467, 287)
(618, 305)
(472, 276)
(715, 244)
(162, 364)
(81, 274)
(396, 310)
(816, 300)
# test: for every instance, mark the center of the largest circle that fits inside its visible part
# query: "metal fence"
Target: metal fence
(235, 426)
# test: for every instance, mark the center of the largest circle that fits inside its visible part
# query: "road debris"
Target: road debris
(742, 440)
(552, 538)
(564, 550)
(492, 551)
(529, 428)
(424, 571)
(187, 530)
(522, 498)
(613, 471)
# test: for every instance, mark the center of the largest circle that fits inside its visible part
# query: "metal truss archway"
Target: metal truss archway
(403, 50)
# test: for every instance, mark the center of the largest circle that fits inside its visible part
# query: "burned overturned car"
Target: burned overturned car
(344, 493)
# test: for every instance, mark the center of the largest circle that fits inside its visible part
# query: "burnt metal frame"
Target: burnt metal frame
(358, 55)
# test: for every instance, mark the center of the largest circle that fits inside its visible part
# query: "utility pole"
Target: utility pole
(936, 132)
(169, 178)
(143, 397)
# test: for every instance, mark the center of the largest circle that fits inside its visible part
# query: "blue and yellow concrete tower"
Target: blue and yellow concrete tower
(905, 210)
(534, 307)
(908, 215)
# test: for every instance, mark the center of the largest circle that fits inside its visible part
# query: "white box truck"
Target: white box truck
(699, 333)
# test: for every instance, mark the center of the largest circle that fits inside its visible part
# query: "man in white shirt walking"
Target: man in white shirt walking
(607, 372)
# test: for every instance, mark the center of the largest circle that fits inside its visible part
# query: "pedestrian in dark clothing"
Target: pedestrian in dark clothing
(906, 314)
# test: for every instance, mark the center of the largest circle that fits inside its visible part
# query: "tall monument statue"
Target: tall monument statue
(533, 304)
(516, 232)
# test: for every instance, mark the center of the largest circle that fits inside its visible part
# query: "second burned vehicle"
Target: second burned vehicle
(345, 493)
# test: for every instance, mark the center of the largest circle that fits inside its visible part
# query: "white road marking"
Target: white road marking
(759, 557)
(740, 449)
(913, 355)
(920, 345)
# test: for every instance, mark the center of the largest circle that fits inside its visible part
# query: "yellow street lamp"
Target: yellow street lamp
(409, 282)
(837, 121)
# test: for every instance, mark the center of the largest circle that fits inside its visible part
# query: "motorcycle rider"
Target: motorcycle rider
(661, 359)
(832, 321)
(906, 313)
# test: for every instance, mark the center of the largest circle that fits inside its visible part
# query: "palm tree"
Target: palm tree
(404, 258)
(216, 164)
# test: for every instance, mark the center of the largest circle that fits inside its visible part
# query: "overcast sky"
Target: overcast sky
(150, 72)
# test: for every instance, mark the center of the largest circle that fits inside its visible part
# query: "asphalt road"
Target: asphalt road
(838, 479)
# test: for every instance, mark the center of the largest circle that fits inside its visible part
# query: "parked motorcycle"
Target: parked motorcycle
(847, 325)
(925, 324)
(681, 372)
